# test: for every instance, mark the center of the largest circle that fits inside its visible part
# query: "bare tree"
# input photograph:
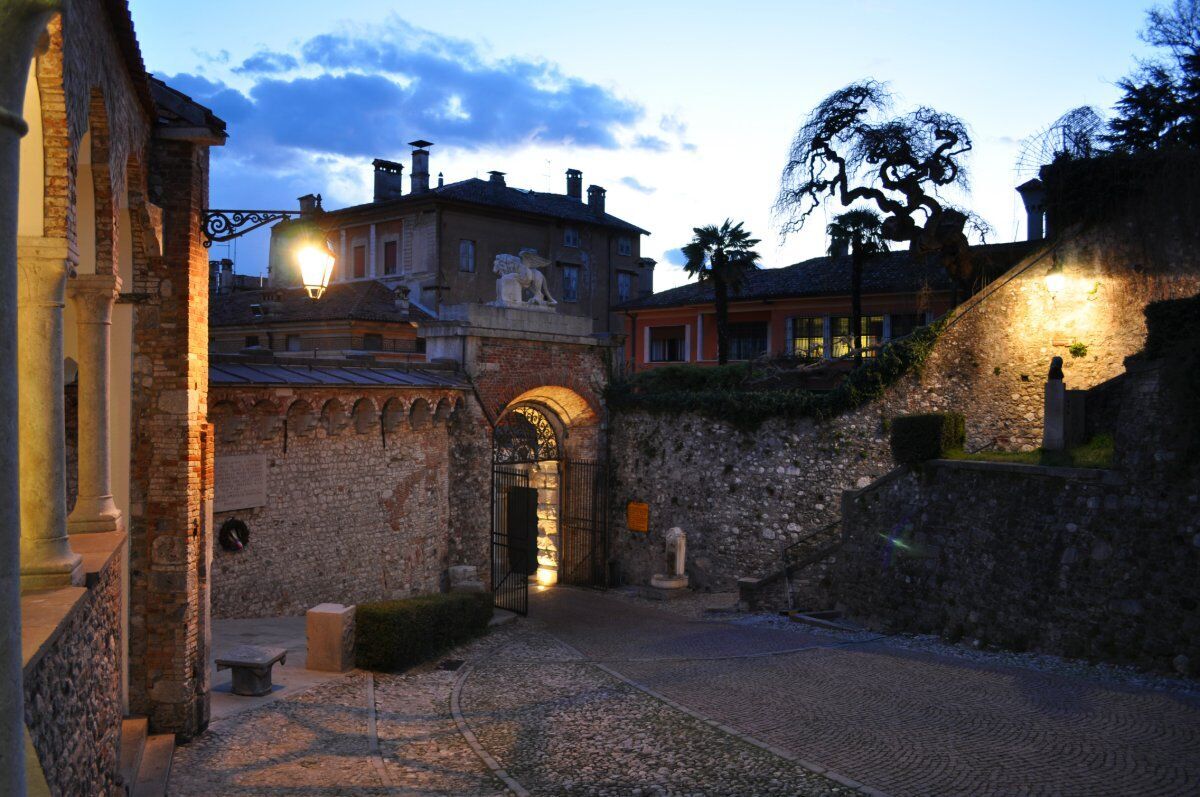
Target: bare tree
(852, 149)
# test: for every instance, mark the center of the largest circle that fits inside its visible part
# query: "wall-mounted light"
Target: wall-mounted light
(1055, 279)
(316, 266)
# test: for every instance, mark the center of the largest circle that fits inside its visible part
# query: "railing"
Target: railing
(809, 549)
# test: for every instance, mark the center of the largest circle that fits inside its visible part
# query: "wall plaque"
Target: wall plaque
(637, 516)
(239, 482)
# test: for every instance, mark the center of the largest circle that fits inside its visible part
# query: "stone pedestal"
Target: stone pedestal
(1054, 433)
(92, 296)
(330, 629)
(669, 582)
(46, 558)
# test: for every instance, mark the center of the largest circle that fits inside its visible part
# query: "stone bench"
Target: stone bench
(251, 667)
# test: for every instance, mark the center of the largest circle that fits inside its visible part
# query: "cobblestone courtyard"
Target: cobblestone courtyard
(598, 694)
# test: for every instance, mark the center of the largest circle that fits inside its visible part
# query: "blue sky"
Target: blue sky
(683, 111)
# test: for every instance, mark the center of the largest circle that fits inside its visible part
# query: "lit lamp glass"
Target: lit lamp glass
(1055, 280)
(316, 267)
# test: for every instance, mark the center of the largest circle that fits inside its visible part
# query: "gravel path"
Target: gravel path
(563, 727)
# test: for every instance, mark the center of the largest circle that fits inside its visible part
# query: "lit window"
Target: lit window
(872, 334)
(390, 250)
(747, 340)
(666, 344)
(570, 283)
(360, 262)
(624, 286)
(466, 255)
(293, 343)
(624, 246)
(571, 237)
(808, 337)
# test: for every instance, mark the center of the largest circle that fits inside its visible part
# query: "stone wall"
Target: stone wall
(744, 496)
(358, 497)
(73, 692)
(1101, 564)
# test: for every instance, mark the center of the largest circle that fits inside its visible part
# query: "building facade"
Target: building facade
(800, 311)
(438, 242)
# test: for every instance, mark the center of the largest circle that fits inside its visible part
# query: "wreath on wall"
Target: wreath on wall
(234, 535)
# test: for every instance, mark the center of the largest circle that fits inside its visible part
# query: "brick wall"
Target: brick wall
(358, 497)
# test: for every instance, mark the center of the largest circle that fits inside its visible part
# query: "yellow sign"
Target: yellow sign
(637, 516)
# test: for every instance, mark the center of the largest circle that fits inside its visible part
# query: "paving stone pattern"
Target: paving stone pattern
(902, 722)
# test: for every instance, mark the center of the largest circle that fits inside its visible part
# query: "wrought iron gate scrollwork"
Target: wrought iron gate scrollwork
(525, 434)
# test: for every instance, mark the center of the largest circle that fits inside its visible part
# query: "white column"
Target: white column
(46, 558)
(92, 296)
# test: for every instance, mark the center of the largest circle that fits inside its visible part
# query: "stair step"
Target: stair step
(155, 770)
(133, 742)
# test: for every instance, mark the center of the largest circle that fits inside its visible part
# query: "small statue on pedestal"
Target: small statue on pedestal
(518, 272)
(676, 549)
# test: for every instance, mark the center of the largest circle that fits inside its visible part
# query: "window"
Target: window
(570, 285)
(390, 250)
(293, 343)
(872, 334)
(571, 237)
(906, 323)
(666, 344)
(747, 340)
(372, 342)
(624, 286)
(624, 246)
(466, 255)
(808, 337)
(360, 262)
(251, 341)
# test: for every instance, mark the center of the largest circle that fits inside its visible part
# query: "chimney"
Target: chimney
(420, 165)
(389, 180)
(596, 199)
(575, 184)
(311, 203)
(839, 246)
(1033, 194)
(441, 180)
(497, 179)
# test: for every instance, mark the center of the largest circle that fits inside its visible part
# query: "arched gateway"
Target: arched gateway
(539, 377)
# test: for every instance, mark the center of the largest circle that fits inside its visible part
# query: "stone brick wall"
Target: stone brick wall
(73, 694)
(358, 497)
(1100, 564)
(742, 497)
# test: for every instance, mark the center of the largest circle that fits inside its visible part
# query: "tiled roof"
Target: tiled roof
(227, 373)
(485, 192)
(893, 272)
(176, 109)
(364, 300)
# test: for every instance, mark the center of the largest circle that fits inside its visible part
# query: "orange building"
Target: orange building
(802, 310)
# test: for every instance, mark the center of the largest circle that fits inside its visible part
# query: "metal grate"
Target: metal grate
(584, 524)
(514, 537)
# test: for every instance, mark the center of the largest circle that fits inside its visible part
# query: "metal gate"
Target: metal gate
(514, 537)
(583, 524)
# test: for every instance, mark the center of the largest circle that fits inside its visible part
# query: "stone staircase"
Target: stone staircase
(803, 564)
(145, 758)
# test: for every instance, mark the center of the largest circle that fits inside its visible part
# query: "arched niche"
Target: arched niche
(366, 416)
(393, 414)
(228, 421)
(268, 420)
(301, 419)
(442, 414)
(419, 415)
(334, 418)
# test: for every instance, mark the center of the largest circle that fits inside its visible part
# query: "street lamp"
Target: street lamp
(1055, 279)
(311, 249)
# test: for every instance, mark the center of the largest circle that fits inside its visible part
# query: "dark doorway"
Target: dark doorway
(514, 537)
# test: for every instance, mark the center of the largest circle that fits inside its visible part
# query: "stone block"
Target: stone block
(330, 629)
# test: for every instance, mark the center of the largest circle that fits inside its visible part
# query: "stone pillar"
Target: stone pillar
(21, 22)
(46, 558)
(1054, 434)
(92, 296)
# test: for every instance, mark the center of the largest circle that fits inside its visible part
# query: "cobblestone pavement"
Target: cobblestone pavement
(903, 722)
(562, 727)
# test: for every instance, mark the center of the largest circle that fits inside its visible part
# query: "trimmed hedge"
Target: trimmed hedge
(715, 392)
(394, 635)
(917, 438)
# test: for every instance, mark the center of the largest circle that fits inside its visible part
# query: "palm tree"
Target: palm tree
(721, 256)
(862, 230)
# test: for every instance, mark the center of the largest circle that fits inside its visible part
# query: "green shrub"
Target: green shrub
(394, 635)
(916, 438)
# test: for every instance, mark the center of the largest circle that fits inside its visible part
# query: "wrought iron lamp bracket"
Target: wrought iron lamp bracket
(225, 225)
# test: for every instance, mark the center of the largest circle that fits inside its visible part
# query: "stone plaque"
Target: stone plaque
(637, 516)
(240, 482)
